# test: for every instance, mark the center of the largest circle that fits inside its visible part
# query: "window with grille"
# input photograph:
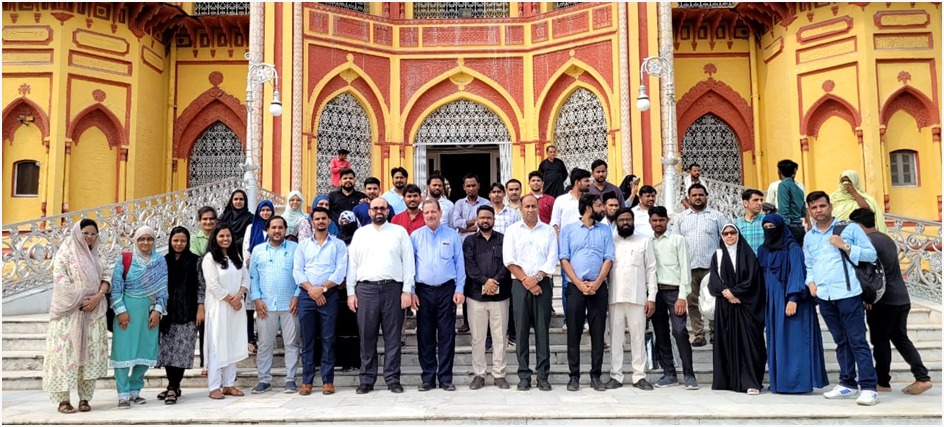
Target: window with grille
(711, 143)
(460, 10)
(26, 178)
(904, 165)
(356, 6)
(580, 130)
(221, 8)
(218, 154)
(565, 4)
(343, 124)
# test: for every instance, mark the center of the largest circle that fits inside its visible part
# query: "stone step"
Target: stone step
(410, 377)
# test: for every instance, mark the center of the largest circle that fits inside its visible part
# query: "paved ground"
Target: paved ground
(487, 406)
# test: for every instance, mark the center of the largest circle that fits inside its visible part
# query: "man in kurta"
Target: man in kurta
(632, 283)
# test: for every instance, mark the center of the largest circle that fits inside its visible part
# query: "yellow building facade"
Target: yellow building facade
(105, 102)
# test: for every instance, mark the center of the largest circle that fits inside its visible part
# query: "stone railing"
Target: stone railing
(919, 252)
(29, 247)
(722, 196)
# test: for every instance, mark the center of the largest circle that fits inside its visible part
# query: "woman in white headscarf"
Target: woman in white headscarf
(296, 220)
(76, 341)
(139, 298)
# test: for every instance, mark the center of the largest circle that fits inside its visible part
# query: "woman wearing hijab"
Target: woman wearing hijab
(795, 360)
(322, 201)
(139, 298)
(256, 232)
(76, 341)
(851, 196)
(629, 187)
(237, 215)
(227, 283)
(185, 312)
(298, 224)
(738, 284)
(347, 341)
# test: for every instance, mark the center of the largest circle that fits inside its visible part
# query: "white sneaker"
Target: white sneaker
(867, 398)
(841, 392)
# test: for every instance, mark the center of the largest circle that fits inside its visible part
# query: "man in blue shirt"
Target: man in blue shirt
(320, 267)
(586, 255)
(440, 286)
(840, 301)
(275, 296)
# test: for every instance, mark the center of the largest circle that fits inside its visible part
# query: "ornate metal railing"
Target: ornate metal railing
(221, 8)
(919, 252)
(28, 247)
(722, 196)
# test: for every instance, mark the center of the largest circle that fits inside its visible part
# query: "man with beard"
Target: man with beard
(554, 172)
(610, 207)
(545, 201)
(632, 283)
(346, 197)
(411, 218)
(394, 196)
(586, 254)
(380, 287)
(566, 212)
(600, 186)
(647, 199)
(693, 177)
(463, 217)
(513, 188)
(487, 289)
(436, 189)
(669, 304)
(320, 267)
(530, 253)
(701, 226)
(440, 287)
(362, 210)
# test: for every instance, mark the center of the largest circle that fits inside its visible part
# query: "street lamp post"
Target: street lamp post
(259, 73)
(662, 67)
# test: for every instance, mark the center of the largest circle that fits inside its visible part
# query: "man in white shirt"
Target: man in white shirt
(566, 212)
(632, 281)
(647, 199)
(380, 280)
(530, 253)
(435, 189)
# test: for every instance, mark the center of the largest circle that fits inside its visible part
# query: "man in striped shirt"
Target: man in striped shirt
(504, 215)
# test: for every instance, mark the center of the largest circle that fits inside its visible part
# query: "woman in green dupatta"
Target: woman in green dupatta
(139, 299)
(851, 196)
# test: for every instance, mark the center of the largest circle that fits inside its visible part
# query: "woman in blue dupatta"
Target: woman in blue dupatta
(139, 299)
(322, 201)
(794, 340)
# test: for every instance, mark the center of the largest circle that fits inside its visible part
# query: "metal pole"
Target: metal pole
(670, 158)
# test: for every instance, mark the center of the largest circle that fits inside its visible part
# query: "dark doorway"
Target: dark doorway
(455, 166)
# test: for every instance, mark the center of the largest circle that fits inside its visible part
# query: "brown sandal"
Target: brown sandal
(232, 391)
(84, 406)
(217, 395)
(66, 408)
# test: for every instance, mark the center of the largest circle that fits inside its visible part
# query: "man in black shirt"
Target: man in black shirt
(345, 198)
(554, 172)
(487, 289)
(888, 318)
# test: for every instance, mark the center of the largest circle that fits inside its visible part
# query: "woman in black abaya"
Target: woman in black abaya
(739, 351)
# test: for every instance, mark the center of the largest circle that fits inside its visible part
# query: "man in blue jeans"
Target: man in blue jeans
(840, 302)
(320, 266)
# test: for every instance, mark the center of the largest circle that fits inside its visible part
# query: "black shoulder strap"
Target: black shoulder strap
(837, 230)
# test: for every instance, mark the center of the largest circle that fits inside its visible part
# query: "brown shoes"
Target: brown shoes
(327, 389)
(305, 390)
(917, 387)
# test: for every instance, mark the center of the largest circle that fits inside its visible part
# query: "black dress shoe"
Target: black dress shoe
(524, 385)
(699, 342)
(573, 384)
(643, 385)
(597, 384)
(425, 387)
(477, 383)
(613, 384)
(501, 383)
(543, 385)
(448, 386)
(365, 388)
(395, 387)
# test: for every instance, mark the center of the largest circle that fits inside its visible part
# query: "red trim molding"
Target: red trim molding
(912, 102)
(716, 97)
(827, 106)
(23, 107)
(97, 115)
(214, 105)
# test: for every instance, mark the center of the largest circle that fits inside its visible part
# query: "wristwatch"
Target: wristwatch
(846, 247)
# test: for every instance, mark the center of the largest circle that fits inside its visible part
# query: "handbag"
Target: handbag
(706, 302)
(110, 313)
(871, 275)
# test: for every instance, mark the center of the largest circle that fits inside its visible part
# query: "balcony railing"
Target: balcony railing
(29, 246)
(722, 196)
(221, 8)
(919, 252)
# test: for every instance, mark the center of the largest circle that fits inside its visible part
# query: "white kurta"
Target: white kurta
(226, 335)
(633, 275)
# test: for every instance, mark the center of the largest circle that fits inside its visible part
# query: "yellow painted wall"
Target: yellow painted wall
(26, 145)
(93, 176)
(833, 151)
(148, 161)
(903, 133)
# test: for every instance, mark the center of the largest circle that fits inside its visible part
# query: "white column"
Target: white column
(626, 140)
(669, 121)
(254, 103)
(297, 93)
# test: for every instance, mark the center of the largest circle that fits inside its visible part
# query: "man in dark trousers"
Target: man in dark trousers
(554, 173)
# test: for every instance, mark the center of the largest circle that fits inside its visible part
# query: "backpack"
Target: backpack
(871, 275)
(109, 313)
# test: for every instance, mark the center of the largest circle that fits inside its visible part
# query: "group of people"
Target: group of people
(334, 279)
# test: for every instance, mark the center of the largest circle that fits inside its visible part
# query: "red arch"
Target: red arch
(362, 89)
(210, 107)
(912, 102)
(23, 107)
(558, 92)
(446, 88)
(98, 116)
(824, 108)
(717, 98)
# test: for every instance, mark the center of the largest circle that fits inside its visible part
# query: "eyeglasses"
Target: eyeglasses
(378, 209)
(88, 234)
(728, 233)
